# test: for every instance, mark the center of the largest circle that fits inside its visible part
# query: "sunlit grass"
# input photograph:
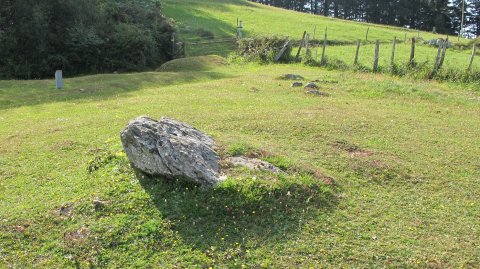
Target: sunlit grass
(383, 173)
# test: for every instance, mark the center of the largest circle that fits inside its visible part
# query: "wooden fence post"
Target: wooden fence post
(412, 52)
(474, 49)
(240, 29)
(301, 44)
(237, 27)
(307, 46)
(375, 61)
(324, 46)
(444, 52)
(282, 51)
(359, 42)
(439, 54)
(366, 36)
(392, 60)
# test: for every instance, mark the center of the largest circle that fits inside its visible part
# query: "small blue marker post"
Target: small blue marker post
(58, 80)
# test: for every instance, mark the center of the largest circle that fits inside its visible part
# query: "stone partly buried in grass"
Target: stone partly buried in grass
(311, 86)
(253, 164)
(291, 77)
(171, 149)
(317, 93)
(297, 84)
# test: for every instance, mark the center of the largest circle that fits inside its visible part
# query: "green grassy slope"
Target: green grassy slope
(219, 16)
(403, 155)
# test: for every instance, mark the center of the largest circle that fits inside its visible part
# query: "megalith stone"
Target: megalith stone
(171, 149)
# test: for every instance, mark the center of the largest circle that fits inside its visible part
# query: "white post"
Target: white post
(58, 79)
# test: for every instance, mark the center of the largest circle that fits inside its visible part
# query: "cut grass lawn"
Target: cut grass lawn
(403, 156)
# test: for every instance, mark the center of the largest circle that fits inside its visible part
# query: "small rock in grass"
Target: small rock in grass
(297, 84)
(292, 77)
(317, 92)
(99, 205)
(312, 86)
(65, 210)
(253, 164)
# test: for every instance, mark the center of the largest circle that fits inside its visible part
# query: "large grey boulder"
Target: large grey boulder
(171, 149)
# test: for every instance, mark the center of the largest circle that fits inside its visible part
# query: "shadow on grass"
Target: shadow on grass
(193, 16)
(15, 93)
(240, 212)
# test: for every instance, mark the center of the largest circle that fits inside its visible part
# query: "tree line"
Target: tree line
(81, 37)
(442, 16)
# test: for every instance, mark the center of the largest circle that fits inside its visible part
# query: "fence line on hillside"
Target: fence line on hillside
(443, 45)
(225, 45)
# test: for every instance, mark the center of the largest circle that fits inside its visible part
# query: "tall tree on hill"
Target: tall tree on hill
(474, 19)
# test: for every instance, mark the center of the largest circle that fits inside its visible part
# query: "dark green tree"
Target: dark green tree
(81, 37)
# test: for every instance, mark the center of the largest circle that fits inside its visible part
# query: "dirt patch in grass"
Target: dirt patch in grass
(64, 145)
(88, 90)
(7, 174)
(354, 150)
(65, 211)
(380, 171)
(74, 238)
(21, 228)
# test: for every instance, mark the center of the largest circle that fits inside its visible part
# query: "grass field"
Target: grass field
(220, 17)
(383, 173)
(394, 184)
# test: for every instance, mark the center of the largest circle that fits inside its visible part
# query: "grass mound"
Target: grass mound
(198, 63)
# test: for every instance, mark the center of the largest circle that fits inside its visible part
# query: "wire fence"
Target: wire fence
(220, 46)
(378, 54)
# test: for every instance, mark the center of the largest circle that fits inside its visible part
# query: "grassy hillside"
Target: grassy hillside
(394, 184)
(220, 16)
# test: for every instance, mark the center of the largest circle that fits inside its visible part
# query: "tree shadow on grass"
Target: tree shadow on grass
(15, 93)
(239, 212)
(194, 16)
